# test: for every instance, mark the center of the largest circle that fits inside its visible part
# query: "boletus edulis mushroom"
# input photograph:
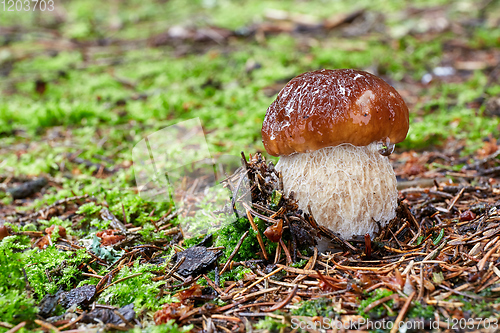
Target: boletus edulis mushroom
(333, 131)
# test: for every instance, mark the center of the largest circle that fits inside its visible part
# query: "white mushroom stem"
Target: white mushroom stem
(350, 189)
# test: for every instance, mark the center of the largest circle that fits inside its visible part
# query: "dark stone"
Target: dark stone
(48, 304)
(82, 296)
(28, 189)
(108, 316)
(198, 260)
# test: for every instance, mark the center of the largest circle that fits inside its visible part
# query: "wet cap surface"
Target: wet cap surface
(329, 107)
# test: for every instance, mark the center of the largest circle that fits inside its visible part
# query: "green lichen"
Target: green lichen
(108, 253)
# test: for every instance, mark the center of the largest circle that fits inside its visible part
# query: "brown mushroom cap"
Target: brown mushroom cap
(329, 107)
(4, 231)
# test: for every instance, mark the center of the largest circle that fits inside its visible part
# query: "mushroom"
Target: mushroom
(4, 231)
(333, 131)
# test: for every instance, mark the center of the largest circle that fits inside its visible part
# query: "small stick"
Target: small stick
(213, 285)
(120, 280)
(71, 323)
(421, 291)
(284, 302)
(279, 212)
(17, 327)
(106, 215)
(124, 215)
(374, 286)
(395, 238)
(261, 279)
(169, 215)
(455, 199)
(226, 318)
(380, 301)
(368, 246)
(325, 281)
(259, 238)
(454, 291)
(405, 225)
(154, 223)
(244, 159)
(435, 252)
(277, 255)
(240, 181)
(230, 305)
(310, 265)
(312, 220)
(345, 244)
(47, 325)
(386, 268)
(255, 294)
(172, 271)
(3, 323)
(287, 284)
(412, 218)
(46, 209)
(265, 218)
(185, 283)
(111, 326)
(256, 304)
(236, 249)
(445, 304)
(483, 261)
(91, 270)
(125, 321)
(297, 270)
(93, 275)
(287, 253)
(402, 313)
(110, 275)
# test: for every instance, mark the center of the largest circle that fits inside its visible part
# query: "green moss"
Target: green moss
(380, 310)
(61, 266)
(485, 37)
(236, 274)
(478, 308)
(15, 304)
(66, 224)
(231, 234)
(89, 210)
(417, 310)
(316, 307)
(299, 264)
(170, 327)
(140, 290)
(270, 324)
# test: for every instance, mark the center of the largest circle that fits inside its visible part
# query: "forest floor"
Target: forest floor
(82, 249)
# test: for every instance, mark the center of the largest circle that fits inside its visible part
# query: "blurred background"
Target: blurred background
(117, 71)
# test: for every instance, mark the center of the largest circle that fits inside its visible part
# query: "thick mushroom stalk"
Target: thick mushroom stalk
(351, 190)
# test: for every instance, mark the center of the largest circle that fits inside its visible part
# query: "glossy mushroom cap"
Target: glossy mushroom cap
(329, 107)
